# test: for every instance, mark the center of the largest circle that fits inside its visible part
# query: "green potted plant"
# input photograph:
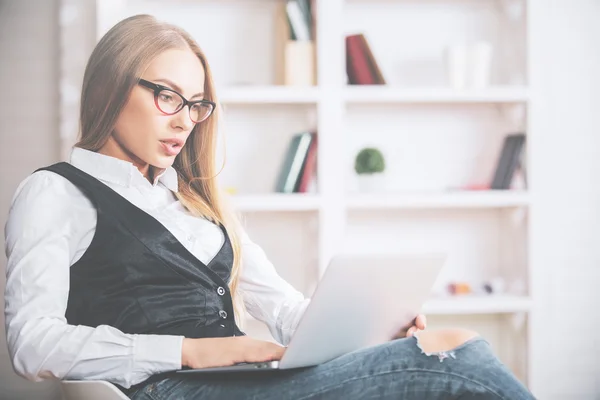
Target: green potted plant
(369, 165)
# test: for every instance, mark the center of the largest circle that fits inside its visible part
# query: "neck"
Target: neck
(150, 174)
(112, 148)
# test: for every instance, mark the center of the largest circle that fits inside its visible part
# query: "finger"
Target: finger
(409, 325)
(399, 335)
(403, 332)
(421, 321)
(277, 352)
(411, 331)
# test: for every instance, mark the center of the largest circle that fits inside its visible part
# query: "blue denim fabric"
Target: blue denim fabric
(394, 370)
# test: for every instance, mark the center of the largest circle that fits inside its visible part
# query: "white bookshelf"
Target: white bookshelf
(268, 95)
(464, 200)
(434, 138)
(385, 94)
(372, 95)
(312, 202)
(470, 305)
(276, 202)
(467, 304)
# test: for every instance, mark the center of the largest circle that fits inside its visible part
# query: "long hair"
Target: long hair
(113, 69)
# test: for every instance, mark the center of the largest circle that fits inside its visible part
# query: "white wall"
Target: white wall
(28, 130)
(565, 81)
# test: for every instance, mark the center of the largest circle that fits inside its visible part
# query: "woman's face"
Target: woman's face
(143, 134)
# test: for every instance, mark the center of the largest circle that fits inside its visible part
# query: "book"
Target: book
(293, 162)
(522, 167)
(510, 158)
(299, 18)
(361, 65)
(308, 173)
(357, 66)
(371, 61)
(306, 10)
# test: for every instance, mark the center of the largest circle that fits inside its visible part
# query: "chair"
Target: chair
(91, 390)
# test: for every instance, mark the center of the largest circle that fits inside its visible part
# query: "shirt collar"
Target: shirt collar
(120, 172)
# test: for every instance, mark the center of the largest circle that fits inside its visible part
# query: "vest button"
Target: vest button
(220, 291)
(223, 314)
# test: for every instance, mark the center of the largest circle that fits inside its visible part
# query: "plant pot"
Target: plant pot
(369, 183)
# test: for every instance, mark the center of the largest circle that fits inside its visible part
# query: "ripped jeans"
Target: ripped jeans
(394, 370)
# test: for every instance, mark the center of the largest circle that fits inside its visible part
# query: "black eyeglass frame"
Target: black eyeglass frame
(159, 88)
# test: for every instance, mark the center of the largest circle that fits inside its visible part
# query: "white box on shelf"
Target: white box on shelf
(299, 63)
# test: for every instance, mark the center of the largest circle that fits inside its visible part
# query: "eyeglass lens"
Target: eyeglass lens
(170, 102)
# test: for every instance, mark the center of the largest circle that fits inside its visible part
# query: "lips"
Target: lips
(171, 146)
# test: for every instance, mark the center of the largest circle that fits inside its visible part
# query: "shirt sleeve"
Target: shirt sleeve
(267, 296)
(40, 233)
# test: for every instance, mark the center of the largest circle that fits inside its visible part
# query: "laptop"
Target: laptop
(361, 301)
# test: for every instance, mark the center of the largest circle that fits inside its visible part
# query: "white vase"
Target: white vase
(369, 183)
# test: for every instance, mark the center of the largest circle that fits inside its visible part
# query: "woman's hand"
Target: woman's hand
(220, 352)
(418, 324)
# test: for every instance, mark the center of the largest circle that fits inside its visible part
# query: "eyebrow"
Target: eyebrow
(176, 87)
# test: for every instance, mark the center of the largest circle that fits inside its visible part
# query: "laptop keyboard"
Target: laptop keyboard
(255, 364)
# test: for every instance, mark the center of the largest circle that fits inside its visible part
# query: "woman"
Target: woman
(125, 265)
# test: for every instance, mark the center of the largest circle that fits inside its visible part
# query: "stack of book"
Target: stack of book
(298, 169)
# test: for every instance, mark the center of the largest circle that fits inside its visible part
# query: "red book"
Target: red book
(309, 167)
(371, 61)
(357, 64)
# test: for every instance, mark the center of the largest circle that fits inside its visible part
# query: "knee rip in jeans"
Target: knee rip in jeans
(443, 343)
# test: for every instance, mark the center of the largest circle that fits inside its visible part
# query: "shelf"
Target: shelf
(468, 304)
(370, 94)
(390, 94)
(458, 199)
(311, 202)
(276, 202)
(268, 95)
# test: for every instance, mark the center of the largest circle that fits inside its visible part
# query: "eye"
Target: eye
(165, 96)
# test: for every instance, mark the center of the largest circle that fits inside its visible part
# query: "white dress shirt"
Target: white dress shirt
(51, 224)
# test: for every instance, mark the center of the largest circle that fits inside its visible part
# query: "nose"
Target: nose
(182, 120)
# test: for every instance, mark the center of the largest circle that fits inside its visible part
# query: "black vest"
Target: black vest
(137, 277)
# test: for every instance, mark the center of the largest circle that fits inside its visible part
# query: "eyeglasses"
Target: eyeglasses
(170, 102)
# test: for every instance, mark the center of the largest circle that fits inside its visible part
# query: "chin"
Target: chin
(163, 162)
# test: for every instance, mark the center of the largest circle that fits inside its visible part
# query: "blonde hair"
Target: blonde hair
(120, 57)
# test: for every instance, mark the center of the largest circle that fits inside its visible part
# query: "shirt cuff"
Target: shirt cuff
(156, 353)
